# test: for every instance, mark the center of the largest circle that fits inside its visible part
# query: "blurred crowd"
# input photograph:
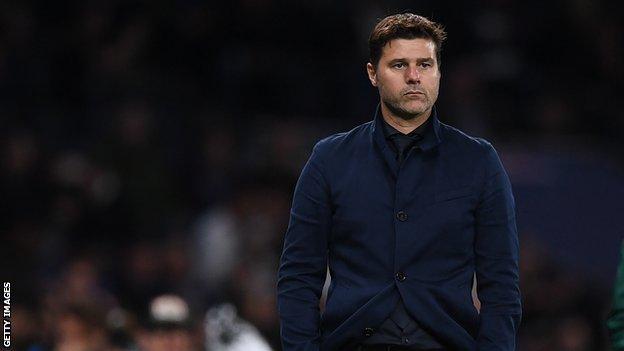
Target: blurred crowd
(152, 147)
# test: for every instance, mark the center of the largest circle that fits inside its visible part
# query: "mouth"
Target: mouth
(414, 93)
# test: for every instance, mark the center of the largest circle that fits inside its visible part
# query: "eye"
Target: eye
(399, 65)
(425, 65)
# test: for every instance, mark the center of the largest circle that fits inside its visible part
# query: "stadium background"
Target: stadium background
(152, 146)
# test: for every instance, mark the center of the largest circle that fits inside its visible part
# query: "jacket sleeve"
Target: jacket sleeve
(496, 259)
(615, 323)
(303, 262)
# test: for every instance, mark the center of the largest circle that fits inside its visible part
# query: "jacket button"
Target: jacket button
(368, 332)
(401, 216)
(400, 276)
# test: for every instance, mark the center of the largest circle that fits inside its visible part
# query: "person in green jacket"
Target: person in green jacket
(615, 323)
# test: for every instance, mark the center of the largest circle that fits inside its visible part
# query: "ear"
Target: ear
(372, 74)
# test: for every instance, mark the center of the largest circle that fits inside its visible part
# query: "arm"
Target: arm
(496, 255)
(303, 263)
(615, 323)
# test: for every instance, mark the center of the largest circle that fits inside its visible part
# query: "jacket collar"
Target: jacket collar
(431, 138)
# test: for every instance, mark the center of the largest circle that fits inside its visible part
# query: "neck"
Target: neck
(404, 126)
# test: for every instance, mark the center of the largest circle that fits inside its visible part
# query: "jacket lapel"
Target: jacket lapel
(379, 141)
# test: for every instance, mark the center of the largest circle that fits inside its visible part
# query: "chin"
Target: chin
(408, 110)
(415, 111)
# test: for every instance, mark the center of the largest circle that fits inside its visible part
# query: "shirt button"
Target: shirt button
(401, 216)
(406, 340)
(400, 276)
(368, 332)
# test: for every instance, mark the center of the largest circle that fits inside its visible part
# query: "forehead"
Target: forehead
(408, 49)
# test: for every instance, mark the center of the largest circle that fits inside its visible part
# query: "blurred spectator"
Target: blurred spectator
(615, 323)
(168, 326)
(26, 329)
(226, 331)
(80, 328)
(235, 245)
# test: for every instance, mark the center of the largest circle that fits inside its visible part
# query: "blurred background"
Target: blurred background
(152, 147)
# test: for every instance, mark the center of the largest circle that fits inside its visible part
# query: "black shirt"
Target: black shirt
(403, 143)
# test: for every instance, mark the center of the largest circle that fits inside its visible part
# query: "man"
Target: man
(404, 210)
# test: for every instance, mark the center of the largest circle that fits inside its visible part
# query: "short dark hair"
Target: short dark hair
(404, 26)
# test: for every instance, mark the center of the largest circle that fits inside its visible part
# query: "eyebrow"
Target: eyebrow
(418, 60)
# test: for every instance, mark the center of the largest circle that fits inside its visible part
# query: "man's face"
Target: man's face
(407, 76)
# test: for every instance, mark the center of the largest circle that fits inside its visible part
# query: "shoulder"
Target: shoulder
(460, 140)
(475, 151)
(342, 141)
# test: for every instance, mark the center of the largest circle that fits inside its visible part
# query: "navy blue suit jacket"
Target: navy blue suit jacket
(417, 232)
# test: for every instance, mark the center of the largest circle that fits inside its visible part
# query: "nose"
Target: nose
(412, 75)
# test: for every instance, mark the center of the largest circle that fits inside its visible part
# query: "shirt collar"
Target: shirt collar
(431, 130)
(390, 131)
